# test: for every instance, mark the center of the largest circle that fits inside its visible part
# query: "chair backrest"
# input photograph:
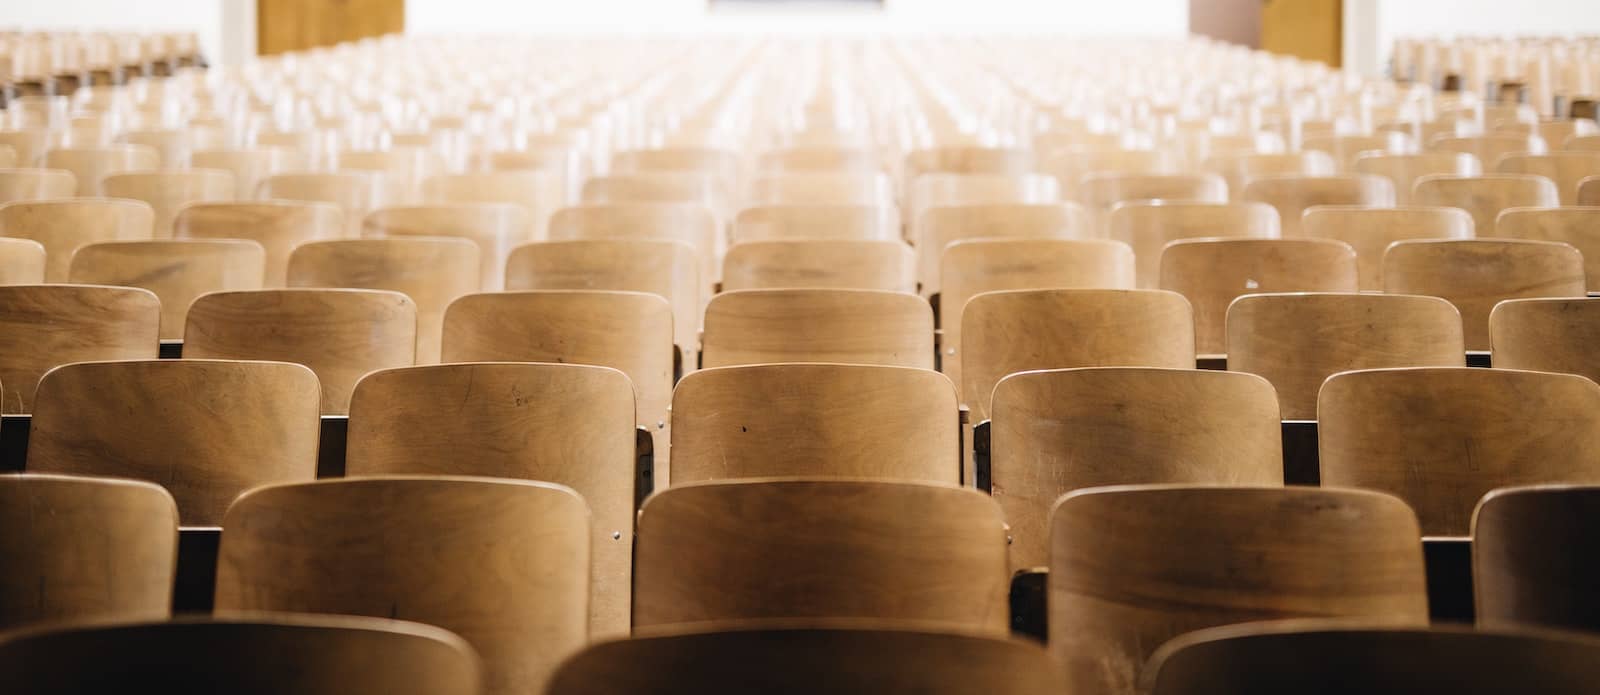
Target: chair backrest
(249, 165)
(355, 192)
(746, 551)
(1485, 197)
(1072, 164)
(1099, 193)
(1003, 333)
(277, 225)
(1370, 231)
(963, 159)
(711, 161)
(169, 190)
(36, 184)
(207, 430)
(1293, 195)
(931, 191)
(503, 563)
(494, 227)
(785, 222)
(1148, 226)
(814, 158)
(538, 193)
(64, 226)
(1296, 341)
(1211, 273)
(1132, 567)
(255, 655)
(1060, 430)
(1476, 274)
(90, 165)
(944, 225)
(44, 326)
(1528, 564)
(1405, 169)
(1565, 169)
(1589, 191)
(1577, 226)
(694, 225)
(1345, 149)
(29, 144)
(22, 262)
(1492, 148)
(822, 188)
(177, 272)
(818, 325)
(885, 265)
(1241, 168)
(1546, 335)
(656, 187)
(1441, 438)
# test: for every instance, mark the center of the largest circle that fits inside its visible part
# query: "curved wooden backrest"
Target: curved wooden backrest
(43, 326)
(789, 222)
(1577, 226)
(744, 551)
(885, 265)
(355, 192)
(277, 225)
(941, 226)
(931, 191)
(433, 272)
(1211, 273)
(1148, 226)
(812, 158)
(29, 144)
(1345, 149)
(538, 192)
(36, 184)
(503, 563)
(818, 325)
(706, 160)
(494, 227)
(1070, 165)
(1485, 197)
(254, 655)
(176, 271)
(340, 334)
(1132, 567)
(801, 660)
(822, 188)
(90, 165)
(1293, 195)
(694, 225)
(655, 187)
(249, 165)
(561, 423)
(1060, 430)
(404, 166)
(1565, 169)
(1476, 274)
(1589, 191)
(1004, 333)
(1490, 149)
(169, 190)
(22, 262)
(64, 226)
(1405, 169)
(1370, 231)
(1441, 438)
(173, 147)
(1099, 193)
(1241, 168)
(1546, 335)
(963, 159)
(1529, 564)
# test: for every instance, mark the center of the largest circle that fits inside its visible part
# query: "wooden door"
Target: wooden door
(295, 25)
(1309, 29)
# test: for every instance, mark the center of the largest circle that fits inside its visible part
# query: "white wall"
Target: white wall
(1387, 20)
(204, 17)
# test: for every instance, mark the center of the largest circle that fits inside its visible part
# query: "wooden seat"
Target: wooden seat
(1577, 226)
(173, 147)
(1546, 335)
(503, 563)
(566, 424)
(29, 144)
(691, 224)
(340, 334)
(1003, 333)
(403, 167)
(1346, 149)
(176, 271)
(1132, 567)
(885, 265)
(1293, 195)
(655, 187)
(1056, 431)
(44, 326)
(1485, 197)
(1100, 193)
(357, 193)
(1589, 191)
(1071, 164)
(963, 159)
(1296, 341)
(1490, 149)
(168, 190)
(786, 660)
(540, 193)
(818, 325)
(1370, 231)
(1476, 274)
(36, 184)
(1528, 567)
(711, 161)
(249, 166)
(64, 226)
(207, 430)
(1148, 226)
(22, 262)
(494, 227)
(90, 165)
(279, 226)
(1441, 438)
(945, 225)
(255, 655)
(814, 158)
(1404, 170)
(433, 272)
(739, 552)
(1211, 273)
(932, 191)
(795, 222)
(814, 188)
(1565, 169)
(1240, 169)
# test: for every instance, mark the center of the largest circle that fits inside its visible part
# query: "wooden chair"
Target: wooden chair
(176, 271)
(279, 226)
(795, 222)
(1003, 333)
(1441, 438)
(1346, 149)
(1404, 170)
(503, 563)
(1546, 335)
(404, 167)
(1100, 193)
(1476, 274)
(694, 225)
(817, 325)
(249, 166)
(1566, 169)
(207, 430)
(1485, 197)
(1070, 165)
(790, 660)
(1060, 430)
(1490, 149)
(817, 188)
(255, 655)
(656, 187)
(952, 190)
(1242, 168)
(1296, 341)
(29, 144)
(942, 226)
(340, 334)
(173, 147)
(64, 226)
(1589, 191)
(36, 184)
(720, 163)
(1293, 195)
(357, 193)
(566, 424)
(540, 193)
(494, 227)
(1527, 563)
(885, 265)
(89, 165)
(22, 262)
(169, 190)
(1148, 226)
(806, 159)
(741, 552)
(1211, 273)
(44, 326)
(1370, 231)
(1132, 567)
(1577, 226)
(962, 159)
(433, 272)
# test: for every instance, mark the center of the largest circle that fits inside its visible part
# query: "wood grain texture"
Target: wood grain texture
(691, 224)
(1239, 169)
(1370, 231)
(1565, 169)
(1211, 273)
(1577, 226)
(1148, 226)
(177, 272)
(1485, 197)
(885, 265)
(250, 165)
(1528, 566)
(357, 193)
(746, 551)
(819, 188)
(36, 184)
(1293, 195)
(538, 193)
(278, 225)
(791, 222)
(44, 326)
(64, 226)
(945, 225)
(1404, 170)
(298, 25)
(1546, 335)
(929, 191)
(1132, 567)
(22, 262)
(1476, 274)
(167, 191)
(818, 325)
(494, 227)
(90, 165)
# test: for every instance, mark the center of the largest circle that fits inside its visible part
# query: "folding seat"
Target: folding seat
(1072, 164)
(29, 144)
(565, 161)
(540, 193)
(253, 655)
(36, 184)
(64, 226)
(279, 226)
(694, 225)
(1238, 170)
(1346, 149)
(818, 158)
(357, 193)
(404, 167)
(1211, 273)
(1293, 195)
(1132, 567)
(818, 325)
(494, 227)
(340, 334)
(795, 222)
(886, 265)
(89, 165)
(964, 159)
(1556, 133)
(433, 272)
(746, 552)
(44, 326)
(1565, 169)
(1490, 149)
(1485, 197)
(1589, 191)
(1100, 193)
(799, 660)
(560, 423)
(22, 262)
(944, 225)
(314, 149)
(1576, 143)
(168, 190)
(1476, 274)
(502, 563)
(1296, 341)
(1370, 231)
(176, 271)
(249, 166)
(173, 147)
(1148, 226)
(938, 190)
(813, 188)
(1441, 438)
(656, 187)
(707, 161)
(1403, 170)
(1529, 565)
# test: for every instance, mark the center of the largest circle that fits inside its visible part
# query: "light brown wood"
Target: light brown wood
(1022, 330)
(941, 226)
(279, 226)
(173, 147)
(1293, 195)
(341, 335)
(64, 226)
(1296, 341)
(1403, 170)
(44, 326)
(433, 272)
(1565, 169)
(813, 158)
(1528, 561)
(1132, 567)
(1589, 191)
(502, 563)
(931, 191)
(176, 271)
(818, 325)
(747, 551)
(962, 159)
(1476, 274)
(1490, 149)
(817, 188)
(404, 168)
(250, 165)
(1239, 169)
(802, 660)
(694, 225)
(493, 227)
(1071, 164)
(720, 163)
(90, 165)
(254, 655)
(22, 262)
(206, 430)
(1100, 193)
(1576, 226)
(1546, 335)
(1211, 273)
(1346, 149)
(1060, 430)
(567, 424)
(1370, 231)
(885, 265)
(1148, 226)
(540, 193)
(36, 184)
(30, 145)
(657, 187)
(298, 25)
(168, 190)
(1485, 197)
(1441, 438)
(357, 193)
(792, 222)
